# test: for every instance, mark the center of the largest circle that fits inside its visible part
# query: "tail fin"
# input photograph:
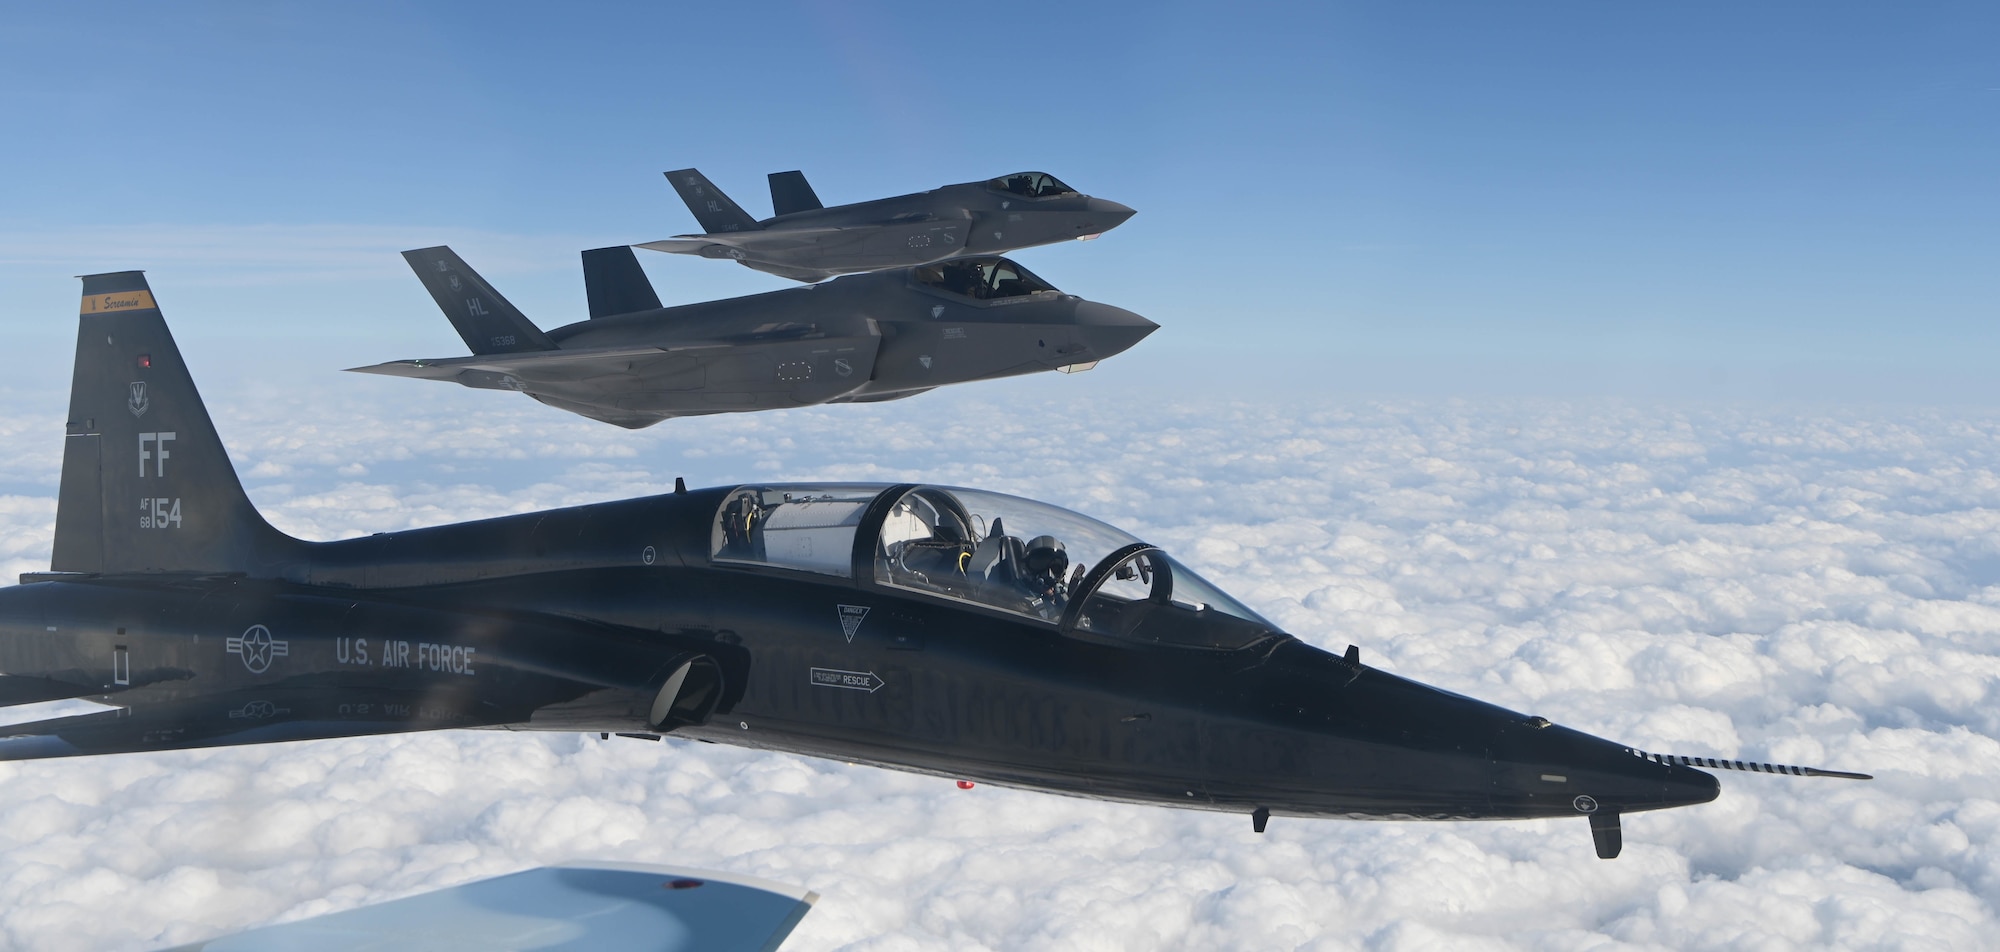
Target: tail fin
(146, 484)
(488, 323)
(790, 194)
(713, 209)
(615, 284)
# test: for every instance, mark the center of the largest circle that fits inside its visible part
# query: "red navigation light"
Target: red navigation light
(965, 785)
(145, 360)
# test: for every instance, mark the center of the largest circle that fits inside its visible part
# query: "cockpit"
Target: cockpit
(1031, 185)
(982, 279)
(1001, 553)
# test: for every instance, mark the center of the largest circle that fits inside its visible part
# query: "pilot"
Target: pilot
(1042, 575)
(964, 277)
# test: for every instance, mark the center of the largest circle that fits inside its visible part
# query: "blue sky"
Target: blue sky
(1700, 201)
(1402, 196)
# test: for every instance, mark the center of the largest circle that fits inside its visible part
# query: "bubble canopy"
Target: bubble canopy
(1031, 185)
(997, 552)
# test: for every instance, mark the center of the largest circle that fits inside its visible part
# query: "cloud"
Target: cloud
(1775, 584)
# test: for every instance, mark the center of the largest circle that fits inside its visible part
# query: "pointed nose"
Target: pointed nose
(1559, 766)
(1632, 782)
(1109, 331)
(1106, 214)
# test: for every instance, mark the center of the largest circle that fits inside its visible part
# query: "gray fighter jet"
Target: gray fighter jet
(805, 241)
(862, 338)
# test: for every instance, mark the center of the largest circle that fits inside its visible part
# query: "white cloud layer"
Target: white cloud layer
(1802, 587)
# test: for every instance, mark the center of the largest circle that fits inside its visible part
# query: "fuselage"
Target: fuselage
(997, 221)
(971, 218)
(580, 619)
(859, 338)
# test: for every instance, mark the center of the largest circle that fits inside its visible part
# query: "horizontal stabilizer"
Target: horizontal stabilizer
(790, 194)
(716, 212)
(608, 907)
(615, 284)
(487, 322)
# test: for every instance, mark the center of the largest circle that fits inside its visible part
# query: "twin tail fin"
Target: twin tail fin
(791, 194)
(614, 283)
(487, 322)
(716, 212)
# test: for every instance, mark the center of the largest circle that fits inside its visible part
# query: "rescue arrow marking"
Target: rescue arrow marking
(852, 680)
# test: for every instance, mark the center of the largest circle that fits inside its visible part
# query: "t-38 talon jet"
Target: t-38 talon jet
(861, 339)
(807, 242)
(947, 631)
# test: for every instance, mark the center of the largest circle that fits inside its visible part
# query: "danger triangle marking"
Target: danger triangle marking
(850, 619)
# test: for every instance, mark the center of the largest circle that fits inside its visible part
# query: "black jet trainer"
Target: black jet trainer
(947, 631)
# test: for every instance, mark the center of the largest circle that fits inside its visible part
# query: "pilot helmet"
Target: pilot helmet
(1046, 555)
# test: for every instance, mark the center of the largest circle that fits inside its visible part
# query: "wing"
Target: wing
(754, 243)
(783, 366)
(815, 254)
(603, 907)
(494, 371)
(916, 237)
(248, 716)
(16, 689)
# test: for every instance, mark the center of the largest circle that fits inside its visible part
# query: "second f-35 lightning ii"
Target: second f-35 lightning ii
(862, 338)
(807, 242)
(945, 631)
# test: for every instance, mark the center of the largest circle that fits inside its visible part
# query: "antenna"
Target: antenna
(1746, 766)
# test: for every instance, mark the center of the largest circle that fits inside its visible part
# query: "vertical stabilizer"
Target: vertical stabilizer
(790, 194)
(714, 210)
(146, 483)
(487, 322)
(615, 284)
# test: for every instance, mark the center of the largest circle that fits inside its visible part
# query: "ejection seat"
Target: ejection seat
(996, 566)
(938, 562)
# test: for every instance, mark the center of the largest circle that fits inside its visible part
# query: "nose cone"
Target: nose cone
(1109, 331)
(1101, 215)
(1110, 211)
(1686, 786)
(1631, 782)
(1568, 770)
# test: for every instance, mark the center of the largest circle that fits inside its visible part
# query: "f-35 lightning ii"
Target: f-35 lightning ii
(863, 338)
(946, 631)
(807, 242)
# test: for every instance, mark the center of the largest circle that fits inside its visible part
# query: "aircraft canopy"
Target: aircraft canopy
(983, 279)
(995, 551)
(1031, 185)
